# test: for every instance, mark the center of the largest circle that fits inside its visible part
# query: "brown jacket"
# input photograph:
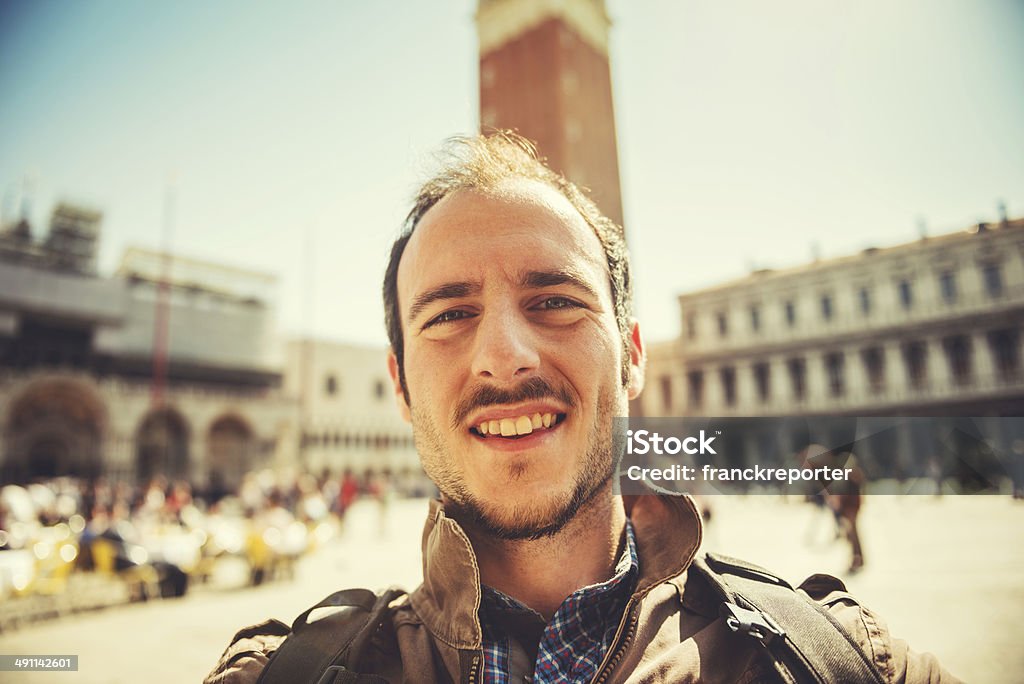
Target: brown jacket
(671, 630)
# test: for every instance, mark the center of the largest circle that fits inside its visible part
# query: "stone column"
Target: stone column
(817, 380)
(714, 395)
(747, 402)
(940, 377)
(895, 376)
(778, 384)
(198, 458)
(858, 380)
(983, 362)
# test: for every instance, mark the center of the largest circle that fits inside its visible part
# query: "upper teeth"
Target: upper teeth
(510, 427)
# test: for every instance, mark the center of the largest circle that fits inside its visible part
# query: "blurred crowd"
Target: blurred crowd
(65, 541)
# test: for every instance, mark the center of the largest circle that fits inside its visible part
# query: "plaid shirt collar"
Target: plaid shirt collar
(569, 648)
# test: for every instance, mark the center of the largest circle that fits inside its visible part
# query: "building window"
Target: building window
(379, 389)
(947, 287)
(798, 378)
(723, 324)
(755, 318)
(728, 375)
(874, 365)
(865, 300)
(834, 370)
(826, 307)
(691, 325)
(1005, 345)
(916, 361)
(993, 277)
(330, 385)
(958, 354)
(762, 379)
(906, 294)
(695, 387)
(666, 393)
(790, 313)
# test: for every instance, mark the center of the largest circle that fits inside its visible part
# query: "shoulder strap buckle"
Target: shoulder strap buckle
(753, 623)
(331, 673)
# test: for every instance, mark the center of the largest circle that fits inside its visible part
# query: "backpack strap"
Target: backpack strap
(329, 649)
(805, 642)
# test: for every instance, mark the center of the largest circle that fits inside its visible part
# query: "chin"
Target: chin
(525, 517)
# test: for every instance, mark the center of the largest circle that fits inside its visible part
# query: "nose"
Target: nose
(505, 349)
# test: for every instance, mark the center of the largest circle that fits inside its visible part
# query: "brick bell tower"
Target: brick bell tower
(544, 73)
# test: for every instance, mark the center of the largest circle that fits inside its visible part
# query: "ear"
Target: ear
(396, 383)
(637, 361)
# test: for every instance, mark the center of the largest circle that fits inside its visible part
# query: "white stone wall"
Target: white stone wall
(974, 312)
(358, 425)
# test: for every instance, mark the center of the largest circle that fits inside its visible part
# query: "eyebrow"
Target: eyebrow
(542, 279)
(442, 292)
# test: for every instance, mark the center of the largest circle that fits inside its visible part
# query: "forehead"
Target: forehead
(520, 226)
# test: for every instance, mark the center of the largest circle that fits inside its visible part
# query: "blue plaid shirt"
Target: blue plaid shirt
(573, 644)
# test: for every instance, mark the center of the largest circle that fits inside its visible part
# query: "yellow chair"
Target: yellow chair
(143, 578)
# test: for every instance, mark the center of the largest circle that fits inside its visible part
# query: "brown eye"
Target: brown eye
(448, 317)
(556, 303)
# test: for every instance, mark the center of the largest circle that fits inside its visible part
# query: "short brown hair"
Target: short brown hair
(482, 163)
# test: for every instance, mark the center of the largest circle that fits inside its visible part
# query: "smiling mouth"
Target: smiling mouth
(520, 426)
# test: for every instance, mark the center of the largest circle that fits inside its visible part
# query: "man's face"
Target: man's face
(512, 356)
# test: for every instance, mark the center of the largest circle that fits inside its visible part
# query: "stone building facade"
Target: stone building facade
(77, 395)
(928, 328)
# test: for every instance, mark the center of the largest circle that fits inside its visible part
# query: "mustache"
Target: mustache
(533, 389)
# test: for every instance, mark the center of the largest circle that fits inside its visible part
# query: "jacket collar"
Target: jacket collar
(668, 533)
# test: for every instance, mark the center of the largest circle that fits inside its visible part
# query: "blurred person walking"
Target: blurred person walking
(845, 498)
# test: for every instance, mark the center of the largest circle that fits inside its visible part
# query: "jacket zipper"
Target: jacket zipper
(617, 656)
(474, 666)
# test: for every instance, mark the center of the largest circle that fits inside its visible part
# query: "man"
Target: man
(508, 309)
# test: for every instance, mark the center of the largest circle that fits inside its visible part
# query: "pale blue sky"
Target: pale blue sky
(747, 130)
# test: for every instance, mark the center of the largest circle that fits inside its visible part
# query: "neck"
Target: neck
(541, 573)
